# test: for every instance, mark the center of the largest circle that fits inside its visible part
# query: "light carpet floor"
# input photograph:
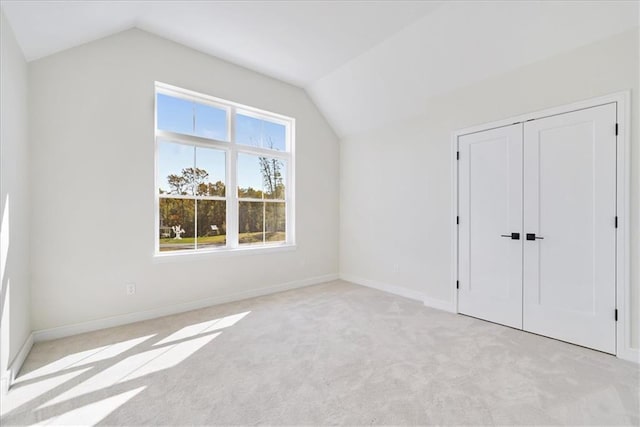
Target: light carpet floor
(334, 353)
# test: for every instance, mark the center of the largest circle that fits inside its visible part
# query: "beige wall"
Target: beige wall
(92, 121)
(396, 182)
(14, 185)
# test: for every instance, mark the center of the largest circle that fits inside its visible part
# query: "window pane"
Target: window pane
(212, 227)
(191, 118)
(209, 175)
(174, 114)
(251, 223)
(211, 122)
(275, 222)
(275, 136)
(273, 177)
(177, 217)
(260, 133)
(261, 177)
(249, 176)
(175, 167)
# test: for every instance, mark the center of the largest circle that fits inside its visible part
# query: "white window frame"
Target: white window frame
(231, 150)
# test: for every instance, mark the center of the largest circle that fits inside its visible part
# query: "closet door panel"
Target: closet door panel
(569, 204)
(490, 207)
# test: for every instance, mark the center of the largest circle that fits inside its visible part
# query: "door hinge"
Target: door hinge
(616, 222)
(616, 129)
(457, 220)
(457, 284)
(457, 155)
(616, 315)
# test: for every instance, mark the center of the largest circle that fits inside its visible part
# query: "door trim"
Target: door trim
(623, 204)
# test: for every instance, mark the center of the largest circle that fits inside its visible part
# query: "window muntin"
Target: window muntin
(206, 145)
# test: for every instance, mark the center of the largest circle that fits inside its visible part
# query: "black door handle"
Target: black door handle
(513, 236)
(532, 236)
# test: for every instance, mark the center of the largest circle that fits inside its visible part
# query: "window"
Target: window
(224, 174)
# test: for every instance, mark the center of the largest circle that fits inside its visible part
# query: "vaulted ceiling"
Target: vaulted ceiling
(364, 63)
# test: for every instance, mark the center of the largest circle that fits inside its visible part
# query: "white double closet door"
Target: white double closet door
(537, 237)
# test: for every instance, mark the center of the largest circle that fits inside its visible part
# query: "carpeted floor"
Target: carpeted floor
(335, 353)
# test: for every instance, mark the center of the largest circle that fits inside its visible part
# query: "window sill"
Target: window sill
(190, 255)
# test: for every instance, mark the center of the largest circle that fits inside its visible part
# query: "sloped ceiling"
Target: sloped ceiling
(294, 41)
(457, 45)
(365, 64)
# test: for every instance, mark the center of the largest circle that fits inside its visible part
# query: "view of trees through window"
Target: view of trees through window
(192, 177)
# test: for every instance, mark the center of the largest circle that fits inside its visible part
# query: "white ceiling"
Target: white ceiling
(457, 45)
(365, 63)
(294, 41)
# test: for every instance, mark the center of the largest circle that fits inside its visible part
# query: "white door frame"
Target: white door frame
(623, 205)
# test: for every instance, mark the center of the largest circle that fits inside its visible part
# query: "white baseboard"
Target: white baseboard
(14, 367)
(400, 291)
(109, 322)
(439, 304)
(630, 354)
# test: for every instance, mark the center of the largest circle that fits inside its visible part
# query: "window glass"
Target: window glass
(210, 172)
(191, 118)
(177, 226)
(260, 133)
(174, 163)
(174, 114)
(273, 177)
(275, 222)
(212, 226)
(261, 177)
(249, 176)
(251, 223)
(210, 122)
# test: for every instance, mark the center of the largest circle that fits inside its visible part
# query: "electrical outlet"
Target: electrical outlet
(396, 268)
(131, 288)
